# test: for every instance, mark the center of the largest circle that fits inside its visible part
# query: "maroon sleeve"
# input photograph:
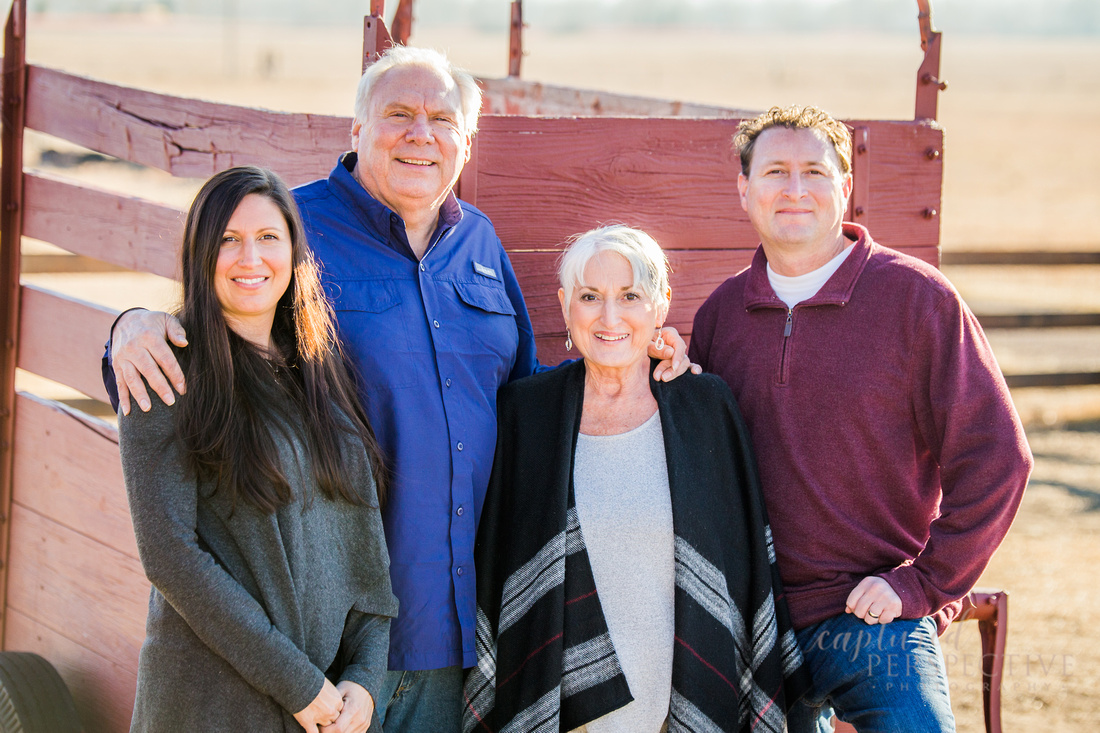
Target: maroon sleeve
(965, 417)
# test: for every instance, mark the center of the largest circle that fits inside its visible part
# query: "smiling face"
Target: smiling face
(795, 193)
(412, 145)
(609, 318)
(254, 266)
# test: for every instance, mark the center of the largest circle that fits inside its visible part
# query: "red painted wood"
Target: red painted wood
(122, 230)
(186, 137)
(67, 468)
(12, 111)
(102, 690)
(543, 180)
(63, 339)
(96, 596)
(511, 96)
(905, 182)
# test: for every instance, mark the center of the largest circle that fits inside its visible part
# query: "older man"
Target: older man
(890, 454)
(430, 313)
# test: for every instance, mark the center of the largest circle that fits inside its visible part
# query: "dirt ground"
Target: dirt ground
(1021, 115)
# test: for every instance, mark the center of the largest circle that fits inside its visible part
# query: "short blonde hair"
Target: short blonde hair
(646, 258)
(403, 57)
(794, 118)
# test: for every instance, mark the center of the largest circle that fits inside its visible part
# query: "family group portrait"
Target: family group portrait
(536, 366)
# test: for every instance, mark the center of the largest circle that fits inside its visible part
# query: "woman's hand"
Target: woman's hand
(324, 709)
(357, 712)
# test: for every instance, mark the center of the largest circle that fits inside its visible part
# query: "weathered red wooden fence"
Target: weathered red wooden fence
(71, 585)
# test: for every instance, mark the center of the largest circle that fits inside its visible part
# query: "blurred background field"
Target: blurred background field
(1021, 156)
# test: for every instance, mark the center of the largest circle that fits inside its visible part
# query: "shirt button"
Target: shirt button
(435, 323)
(448, 382)
(423, 268)
(459, 446)
(459, 570)
(459, 511)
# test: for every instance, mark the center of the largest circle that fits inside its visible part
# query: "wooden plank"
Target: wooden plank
(513, 96)
(1064, 379)
(62, 339)
(95, 596)
(121, 230)
(67, 468)
(186, 137)
(13, 113)
(1040, 320)
(65, 263)
(906, 182)
(102, 690)
(542, 180)
(1025, 258)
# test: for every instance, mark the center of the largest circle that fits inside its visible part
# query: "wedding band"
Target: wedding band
(873, 615)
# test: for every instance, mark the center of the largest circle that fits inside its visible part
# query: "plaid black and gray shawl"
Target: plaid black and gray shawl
(545, 659)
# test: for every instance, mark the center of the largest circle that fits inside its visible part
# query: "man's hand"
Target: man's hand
(139, 347)
(673, 356)
(324, 709)
(874, 601)
(357, 712)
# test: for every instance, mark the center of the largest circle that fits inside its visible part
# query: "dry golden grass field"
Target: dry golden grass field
(1022, 157)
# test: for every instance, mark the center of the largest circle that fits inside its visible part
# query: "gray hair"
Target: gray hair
(422, 58)
(646, 258)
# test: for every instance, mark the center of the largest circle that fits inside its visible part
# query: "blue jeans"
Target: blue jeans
(422, 701)
(882, 679)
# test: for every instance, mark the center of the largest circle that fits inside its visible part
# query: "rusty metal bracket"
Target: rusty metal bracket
(859, 203)
(376, 37)
(929, 83)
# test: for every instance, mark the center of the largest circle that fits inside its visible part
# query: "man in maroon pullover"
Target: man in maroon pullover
(890, 454)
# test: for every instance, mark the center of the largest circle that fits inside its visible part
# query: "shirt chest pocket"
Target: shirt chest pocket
(491, 319)
(374, 329)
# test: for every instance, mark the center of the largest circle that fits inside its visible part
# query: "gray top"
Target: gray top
(250, 611)
(625, 510)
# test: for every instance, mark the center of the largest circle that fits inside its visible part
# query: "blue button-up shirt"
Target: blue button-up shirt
(432, 340)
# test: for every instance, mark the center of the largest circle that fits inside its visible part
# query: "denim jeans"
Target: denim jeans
(882, 679)
(422, 701)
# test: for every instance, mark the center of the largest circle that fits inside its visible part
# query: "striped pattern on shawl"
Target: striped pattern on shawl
(545, 659)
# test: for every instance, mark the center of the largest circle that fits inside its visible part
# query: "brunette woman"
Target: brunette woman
(255, 496)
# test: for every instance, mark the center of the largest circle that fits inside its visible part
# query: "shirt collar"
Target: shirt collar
(837, 290)
(385, 222)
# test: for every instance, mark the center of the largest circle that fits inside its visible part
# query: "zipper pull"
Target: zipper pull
(787, 326)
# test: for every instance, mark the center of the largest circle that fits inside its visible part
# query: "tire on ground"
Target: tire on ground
(33, 697)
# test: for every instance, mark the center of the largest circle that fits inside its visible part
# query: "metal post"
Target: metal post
(515, 41)
(401, 25)
(929, 84)
(11, 232)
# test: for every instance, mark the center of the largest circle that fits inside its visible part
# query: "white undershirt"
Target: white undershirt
(794, 290)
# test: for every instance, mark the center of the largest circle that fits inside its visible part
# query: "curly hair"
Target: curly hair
(794, 117)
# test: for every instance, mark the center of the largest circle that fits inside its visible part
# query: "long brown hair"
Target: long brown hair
(227, 418)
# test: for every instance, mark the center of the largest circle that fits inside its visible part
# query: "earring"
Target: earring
(659, 342)
(568, 341)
